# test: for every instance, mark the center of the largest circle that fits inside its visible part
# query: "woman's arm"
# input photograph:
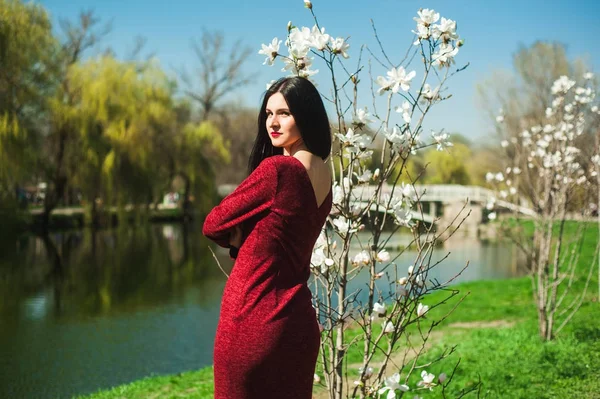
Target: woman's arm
(253, 196)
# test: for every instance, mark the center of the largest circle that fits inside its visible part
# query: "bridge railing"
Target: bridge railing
(444, 193)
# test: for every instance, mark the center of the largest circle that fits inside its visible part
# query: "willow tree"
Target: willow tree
(129, 128)
(26, 48)
(61, 146)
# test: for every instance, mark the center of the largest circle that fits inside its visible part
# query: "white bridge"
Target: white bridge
(444, 194)
(438, 201)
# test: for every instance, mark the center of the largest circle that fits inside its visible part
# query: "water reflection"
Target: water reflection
(86, 310)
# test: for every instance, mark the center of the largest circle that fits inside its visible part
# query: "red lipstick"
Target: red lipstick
(275, 134)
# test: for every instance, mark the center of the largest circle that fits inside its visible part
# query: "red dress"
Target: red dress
(267, 339)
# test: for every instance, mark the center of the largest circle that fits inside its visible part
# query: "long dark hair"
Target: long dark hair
(306, 106)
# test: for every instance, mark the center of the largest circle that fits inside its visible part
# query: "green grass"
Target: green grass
(193, 385)
(511, 362)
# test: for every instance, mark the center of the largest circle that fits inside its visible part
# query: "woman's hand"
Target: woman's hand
(235, 238)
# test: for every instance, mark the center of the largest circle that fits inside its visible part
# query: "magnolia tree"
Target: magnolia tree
(550, 169)
(384, 318)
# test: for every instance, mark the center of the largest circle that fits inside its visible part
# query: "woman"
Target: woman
(267, 339)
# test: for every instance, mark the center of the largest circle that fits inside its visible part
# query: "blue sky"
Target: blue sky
(493, 30)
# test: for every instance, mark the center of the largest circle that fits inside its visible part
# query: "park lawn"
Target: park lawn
(495, 333)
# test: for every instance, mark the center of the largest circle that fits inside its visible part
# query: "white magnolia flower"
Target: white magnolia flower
(383, 256)
(361, 118)
(403, 280)
(338, 195)
(321, 240)
(492, 216)
(397, 79)
(339, 46)
(318, 257)
(395, 137)
(392, 384)
(388, 327)
(504, 143)
(318, 38)
(299, 42)
(562, 85)
(271, 50)
(348, 138)
(362, 257)
(442, 140)
(297, 64)
(426, 17)
(270, 84)
(445, 55)
(446, 30)
(342, 225)
(403, 215)
(405, 110)
(365, 177)
(316, 378)
(427, 380)
(419, 280)
(351, 139)
(407, 191)
(411, 268)
(376, 174)
(422, 33)
(368, 373)
(378, 308)
(422, 309)
(430, 94)
(588, 76)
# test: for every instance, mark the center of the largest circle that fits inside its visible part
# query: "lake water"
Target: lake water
(90, 310)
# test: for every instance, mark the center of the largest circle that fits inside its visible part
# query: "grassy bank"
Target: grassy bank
(495, 331)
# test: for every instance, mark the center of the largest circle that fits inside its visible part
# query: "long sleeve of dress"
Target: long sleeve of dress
(253, 196)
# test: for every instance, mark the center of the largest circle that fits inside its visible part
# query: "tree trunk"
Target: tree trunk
(55, 190)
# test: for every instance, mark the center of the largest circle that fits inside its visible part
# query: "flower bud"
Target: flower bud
(376, 174)
(308, 4)
(289, 26)
(403, 281)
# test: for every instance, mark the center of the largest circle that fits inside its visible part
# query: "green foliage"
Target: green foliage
(26, 50)
(109, 128)
(437, 167)
(448, 166)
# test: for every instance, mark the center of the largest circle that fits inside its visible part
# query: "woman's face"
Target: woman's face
(281, 126)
